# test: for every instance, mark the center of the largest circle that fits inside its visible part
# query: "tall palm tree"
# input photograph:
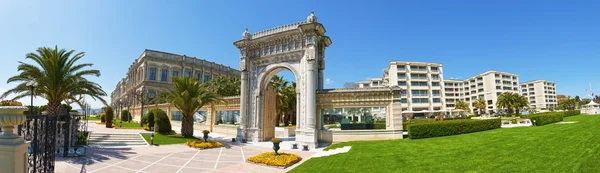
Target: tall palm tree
(506, 100)
(189, 96)
(278, 84)
(480, 105)
(461, 104)
(59, 78)
(519, 103)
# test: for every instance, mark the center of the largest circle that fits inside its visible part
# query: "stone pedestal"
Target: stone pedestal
(13, 155)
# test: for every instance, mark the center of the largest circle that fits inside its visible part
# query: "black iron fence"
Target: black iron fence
(51, 136)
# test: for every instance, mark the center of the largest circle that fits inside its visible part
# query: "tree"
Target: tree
(460, 104)
(352, 111)
(506, 100)
(189, 96)
(109, 116)
(577, 98)
(567, 104)
(142, 97)
(480, 105)
(278, 84)
(520, 102)
(225, 85)
(350, 85)
(58, 78)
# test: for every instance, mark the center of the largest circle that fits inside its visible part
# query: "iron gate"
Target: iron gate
(40, 131)
(51, 136)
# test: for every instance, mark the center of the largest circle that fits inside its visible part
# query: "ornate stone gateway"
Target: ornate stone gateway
(298, 47)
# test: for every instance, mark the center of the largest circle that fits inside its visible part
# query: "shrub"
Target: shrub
(102, 118)
(547, 118)
(379, 125)
(144, 120)
(202, 144)
(125, 116)
(571, 113)
(268, 158)
(163, 124)
(447, 128)
(109, 115)
(151, 116)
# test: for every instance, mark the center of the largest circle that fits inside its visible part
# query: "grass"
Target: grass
(551, 148)
(126, 125)
(168, 139)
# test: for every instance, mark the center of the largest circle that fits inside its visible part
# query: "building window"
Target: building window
(198, 77)
(418, 83)
(418, 68)
(435, 84)
(419, 92)
(403, 92)
(498, 87)
(418, 76)
(435, 77)
(152, 73)
(206, 77)
(401, 76)
(401, 83)
(403, 100)
(401, 68)
(175, 73)
(436, 100)
(435, 92)
(163, 75)
(188, 73)
(420, 100)
(434, 69)
(365, 85)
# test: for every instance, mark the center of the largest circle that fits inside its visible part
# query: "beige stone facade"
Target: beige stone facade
(154, 70)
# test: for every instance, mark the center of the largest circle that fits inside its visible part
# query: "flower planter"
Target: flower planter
(11, 116)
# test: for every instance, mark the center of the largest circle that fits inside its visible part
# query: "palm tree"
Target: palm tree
(189, 96)
(480, 105)
(461, 104)
(278, 84)
(519, 103)
(58, 78)
(506, 100)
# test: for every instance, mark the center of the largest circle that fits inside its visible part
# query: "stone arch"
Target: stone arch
(265, 53)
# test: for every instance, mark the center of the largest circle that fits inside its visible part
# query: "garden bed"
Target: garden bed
(204, 145)
(282, 161)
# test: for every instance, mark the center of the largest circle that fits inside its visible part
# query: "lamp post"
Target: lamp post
(152, 139)
(31, 84)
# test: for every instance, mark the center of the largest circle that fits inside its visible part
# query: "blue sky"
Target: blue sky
(552, 40)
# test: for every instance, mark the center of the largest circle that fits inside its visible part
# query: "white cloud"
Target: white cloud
(456, 78)
(329, 81)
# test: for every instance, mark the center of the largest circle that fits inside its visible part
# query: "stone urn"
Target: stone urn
(276, 142)
(11, 116)
(205, 137)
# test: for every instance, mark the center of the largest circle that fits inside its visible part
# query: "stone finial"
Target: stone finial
(311, 18)
(246, 34)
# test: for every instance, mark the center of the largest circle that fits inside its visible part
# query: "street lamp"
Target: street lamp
(152, 139)
(31, 84)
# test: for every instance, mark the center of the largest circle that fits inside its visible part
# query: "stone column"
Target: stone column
(13, 149)
(310, 131)
(241, 131)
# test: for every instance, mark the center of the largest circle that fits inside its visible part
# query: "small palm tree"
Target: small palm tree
(519, 103)
(506, 100)
(59, 78)
(480, 105)
(189, 96)
(461, 104)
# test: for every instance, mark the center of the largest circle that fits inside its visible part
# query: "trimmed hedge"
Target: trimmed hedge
(546, 118)
(144, 120)
(102, 118)
(380, 125)
(447, 128)
(125, 116)
(428, 120)
(151, 117)
(571, 113)
(162, 122)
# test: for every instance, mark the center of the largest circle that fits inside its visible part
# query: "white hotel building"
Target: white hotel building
(425, 90)
(541, 93)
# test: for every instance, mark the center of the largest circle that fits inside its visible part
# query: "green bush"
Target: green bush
(163, 124)
(102, 118)
(571, 113)
(125, 116)
(109, 116)
(547, 118)
(447, 128)
(379, 125)
(428, 120)
(151, 117)
(144, 120)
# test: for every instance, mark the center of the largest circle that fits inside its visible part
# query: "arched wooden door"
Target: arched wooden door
(269, 114)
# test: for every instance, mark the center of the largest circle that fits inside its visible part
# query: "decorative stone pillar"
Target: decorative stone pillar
(13, 149)
(241, 130)
(310, 136)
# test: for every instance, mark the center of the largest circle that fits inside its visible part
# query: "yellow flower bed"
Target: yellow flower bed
(268, 158)
(202, 144)
(98, 122)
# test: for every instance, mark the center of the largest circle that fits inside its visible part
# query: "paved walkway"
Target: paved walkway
(171, 158)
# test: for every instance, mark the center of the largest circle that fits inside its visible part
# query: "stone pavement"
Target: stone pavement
(172, 158)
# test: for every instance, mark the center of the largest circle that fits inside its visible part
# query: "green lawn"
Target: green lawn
(551, 148)
(126, 125)
(168, 139)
